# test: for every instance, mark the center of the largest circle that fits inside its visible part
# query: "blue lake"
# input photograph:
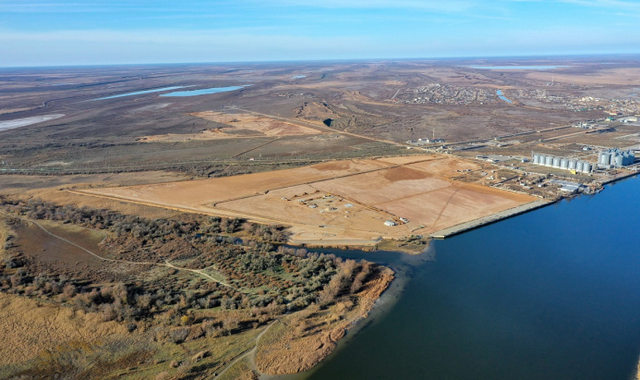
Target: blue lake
(501, 96)
(141, 92)
(540, 67)
(551, 294)
(204, 91)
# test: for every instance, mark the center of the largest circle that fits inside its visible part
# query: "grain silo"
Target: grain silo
(586, 168)
(580, 166)
(618, 160)
(604, 159)
(629, 158)
(564, 163)
(548, 161)
(536, 158)
(572, 164)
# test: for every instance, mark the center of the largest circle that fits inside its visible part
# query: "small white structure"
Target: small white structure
(390, 223)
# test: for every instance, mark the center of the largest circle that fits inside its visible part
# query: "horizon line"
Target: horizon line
(440, 58)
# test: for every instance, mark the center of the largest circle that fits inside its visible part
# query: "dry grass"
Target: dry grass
(16, 185)
(239, 371)
(35, 329)
(622, 76)
(300, 341)
(62, 197)
(5, 231)
(13, 110)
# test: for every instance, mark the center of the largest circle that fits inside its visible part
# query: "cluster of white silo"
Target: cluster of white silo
(615, 158)
(562, 163)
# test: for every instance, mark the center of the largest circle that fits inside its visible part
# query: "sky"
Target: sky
(98, 32)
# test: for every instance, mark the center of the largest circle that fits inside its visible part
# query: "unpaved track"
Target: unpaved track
(444, 207)
(165, 264)
(251, 353)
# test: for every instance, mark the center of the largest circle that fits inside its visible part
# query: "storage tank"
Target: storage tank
(564, 163)
(572, 164)
(604, 159)
(618, 160)
(579, 166)
(548, 161)
(556, 162)
(536, 158)
(586, 168)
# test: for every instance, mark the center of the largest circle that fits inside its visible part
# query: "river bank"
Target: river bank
(463, 227)
(302, 340)
(502, 302)
(402, 266)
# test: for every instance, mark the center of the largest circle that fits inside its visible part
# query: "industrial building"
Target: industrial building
(615, 158)
(575, 165)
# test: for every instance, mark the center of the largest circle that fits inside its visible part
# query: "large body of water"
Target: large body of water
(141, 92)
(551, 294)
(204, 91)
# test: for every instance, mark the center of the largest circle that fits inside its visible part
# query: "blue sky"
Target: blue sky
(79, 32)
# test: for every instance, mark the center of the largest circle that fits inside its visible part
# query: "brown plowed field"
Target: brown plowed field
(342, 200)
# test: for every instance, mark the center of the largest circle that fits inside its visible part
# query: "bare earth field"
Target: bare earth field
(343, 202)
(235, 126)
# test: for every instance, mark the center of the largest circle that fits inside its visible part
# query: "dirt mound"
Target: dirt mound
(404, 173)
(337, 165)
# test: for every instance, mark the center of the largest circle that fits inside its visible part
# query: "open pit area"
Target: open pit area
(340, 202)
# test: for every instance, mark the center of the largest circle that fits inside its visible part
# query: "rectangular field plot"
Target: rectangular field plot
(339, 201)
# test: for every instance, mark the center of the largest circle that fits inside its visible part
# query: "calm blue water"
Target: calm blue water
(204, 91)
(552, 294)
(142, 92)
(539, 67)
(501, 96)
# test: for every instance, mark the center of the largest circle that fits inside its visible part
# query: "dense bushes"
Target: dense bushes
(267, 279)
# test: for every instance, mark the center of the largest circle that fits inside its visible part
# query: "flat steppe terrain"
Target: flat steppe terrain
(104, 180)
(289, 114)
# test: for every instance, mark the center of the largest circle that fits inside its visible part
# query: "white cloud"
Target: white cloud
(428, 5)
(613, 5)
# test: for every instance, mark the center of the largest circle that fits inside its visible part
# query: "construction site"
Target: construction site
(341, 203)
